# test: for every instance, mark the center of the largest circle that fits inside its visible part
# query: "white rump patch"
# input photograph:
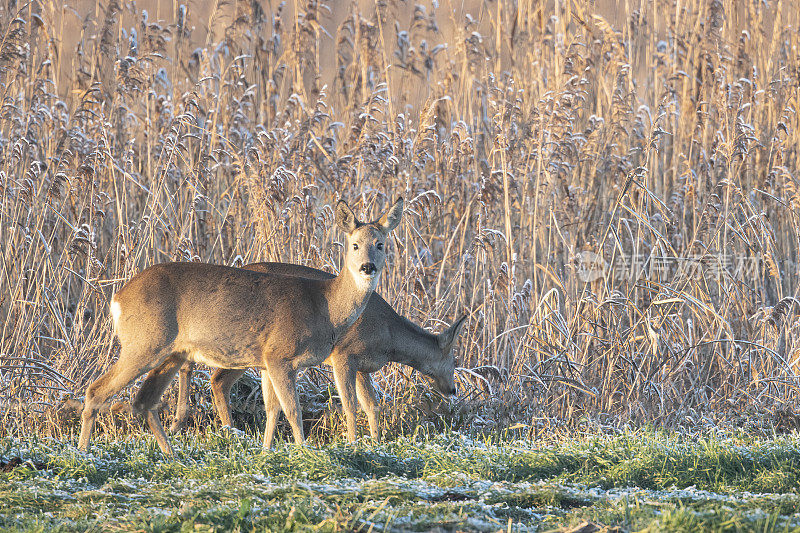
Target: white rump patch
(116, 311)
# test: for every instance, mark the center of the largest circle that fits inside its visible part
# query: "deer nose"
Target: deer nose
(453, 391)
(368, 268)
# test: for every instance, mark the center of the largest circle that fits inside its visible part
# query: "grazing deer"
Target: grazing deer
(380, 335)
(232, 318)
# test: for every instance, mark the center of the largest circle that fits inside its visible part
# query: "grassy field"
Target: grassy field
(640, 480)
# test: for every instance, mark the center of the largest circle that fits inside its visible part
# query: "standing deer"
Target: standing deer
(232, 318)
(380, 335)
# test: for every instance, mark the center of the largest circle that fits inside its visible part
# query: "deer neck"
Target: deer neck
(347, 297)
(414, 346)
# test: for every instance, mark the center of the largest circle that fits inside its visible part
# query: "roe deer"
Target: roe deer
(233, 318)
(380, 335)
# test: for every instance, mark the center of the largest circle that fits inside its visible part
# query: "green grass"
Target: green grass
(218, 482)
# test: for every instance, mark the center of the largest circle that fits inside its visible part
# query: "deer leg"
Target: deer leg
(121, 374)
(222, 381)
(146, 400)
(272, 407)
(284, 383)
(367, 397)
(344, 375)
(182, 408)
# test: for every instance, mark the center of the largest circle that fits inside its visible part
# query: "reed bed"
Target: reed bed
(611, 194)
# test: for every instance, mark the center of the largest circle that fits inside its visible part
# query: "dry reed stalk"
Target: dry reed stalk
(661, 138)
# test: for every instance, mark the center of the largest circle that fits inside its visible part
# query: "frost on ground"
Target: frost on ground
(450, 482)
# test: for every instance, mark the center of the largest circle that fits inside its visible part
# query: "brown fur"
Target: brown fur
(379, 336)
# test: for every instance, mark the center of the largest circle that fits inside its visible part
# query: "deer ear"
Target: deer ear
(345, 218)
(449, 336)
(392, 217)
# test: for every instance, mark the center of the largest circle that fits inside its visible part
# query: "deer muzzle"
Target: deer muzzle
(368, 269)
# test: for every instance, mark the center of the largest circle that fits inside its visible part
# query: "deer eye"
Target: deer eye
(355, 247)
(380, 246)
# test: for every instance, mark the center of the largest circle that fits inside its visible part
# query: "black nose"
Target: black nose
(453, 391)
(368, 268)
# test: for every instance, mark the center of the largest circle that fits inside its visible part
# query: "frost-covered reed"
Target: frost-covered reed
(612, 195)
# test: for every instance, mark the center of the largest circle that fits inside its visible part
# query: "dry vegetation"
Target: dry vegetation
(525, 137)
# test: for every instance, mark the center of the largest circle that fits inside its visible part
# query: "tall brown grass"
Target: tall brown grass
(659, 141)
